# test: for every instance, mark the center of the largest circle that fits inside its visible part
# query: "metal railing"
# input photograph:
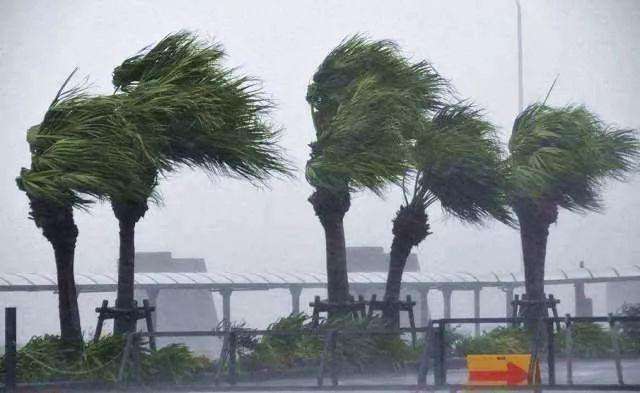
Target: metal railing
(433, 355)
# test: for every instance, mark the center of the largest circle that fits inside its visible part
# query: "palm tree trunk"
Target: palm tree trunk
(534, 249)
(331, 207)
(128, 214)
(534, 220)
(410, 227)
(70, 329)
(58, 226)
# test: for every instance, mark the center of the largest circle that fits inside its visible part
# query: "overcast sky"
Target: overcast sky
(592, 45)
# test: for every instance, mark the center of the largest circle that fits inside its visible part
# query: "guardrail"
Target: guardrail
(434, 355)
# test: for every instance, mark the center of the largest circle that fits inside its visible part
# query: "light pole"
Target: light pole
(520, 82)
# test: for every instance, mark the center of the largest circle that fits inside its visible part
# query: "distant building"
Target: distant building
(179, 309)
(374, 259)
(621, 292)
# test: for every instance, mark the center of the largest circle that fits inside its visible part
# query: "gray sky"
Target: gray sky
(592, 45)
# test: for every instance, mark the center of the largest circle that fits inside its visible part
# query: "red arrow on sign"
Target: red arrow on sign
(513, 375)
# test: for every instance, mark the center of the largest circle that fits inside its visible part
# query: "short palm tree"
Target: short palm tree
(365, 99)
(203, 115)
(79, 150)
(560, 158)
(456, 160)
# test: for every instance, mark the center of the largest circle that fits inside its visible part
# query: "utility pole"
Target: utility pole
(520, 77)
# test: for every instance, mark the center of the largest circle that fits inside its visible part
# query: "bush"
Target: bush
(590, 340)
(45, 359)
(279, 353)
(174, 363)
(501, 340)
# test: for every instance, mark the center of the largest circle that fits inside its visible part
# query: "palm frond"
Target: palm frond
(209, 116)
(366, 100)
(567, 154)
(457, 158)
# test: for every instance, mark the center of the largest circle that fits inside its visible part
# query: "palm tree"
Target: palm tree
(365, 99)
(456, 160)
(204, 116)
(560, 158)
(78, 150)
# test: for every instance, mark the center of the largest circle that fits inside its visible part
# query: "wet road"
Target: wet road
(584, 372)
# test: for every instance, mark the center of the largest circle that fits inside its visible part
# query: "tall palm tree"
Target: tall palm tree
(79, 150)
(204, 115)
(560, 158)
(456, 160)
(365, 99)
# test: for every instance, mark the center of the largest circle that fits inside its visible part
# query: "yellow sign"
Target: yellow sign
(501, 369)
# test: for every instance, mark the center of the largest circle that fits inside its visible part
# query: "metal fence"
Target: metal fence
(433, 355)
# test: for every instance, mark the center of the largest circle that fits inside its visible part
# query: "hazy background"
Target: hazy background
(593, 46)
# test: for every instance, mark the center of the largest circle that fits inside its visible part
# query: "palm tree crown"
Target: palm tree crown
(457, 161)
(207, 116)
(562, 156)
(366, 101)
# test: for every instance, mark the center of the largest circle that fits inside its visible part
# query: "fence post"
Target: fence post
(136, 358)
(334, 365)
(10, 356)
(440, 374)
(323, 357)
(423, 368)
(551, 352)
(232, 357)
(568, 348)
(223, 356)
(148, 319)
(616, 348)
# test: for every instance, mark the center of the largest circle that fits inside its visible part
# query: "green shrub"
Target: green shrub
(279, 353)
(174, 363)
(590, 340)
(501, 340)
(45, 359)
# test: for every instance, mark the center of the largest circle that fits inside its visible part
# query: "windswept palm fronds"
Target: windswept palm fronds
(367, 100)
(570, 153)
(85, 147)
(209, 117)
(457, 161)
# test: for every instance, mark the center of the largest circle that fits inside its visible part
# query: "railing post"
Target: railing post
(423, 368)
(440, 374)
(616, 348)
(10, 357)
(568, 348)
(323, 357)
(551, 354)
(149, 321)
(232, 357)
(334, 361)
(136, 358)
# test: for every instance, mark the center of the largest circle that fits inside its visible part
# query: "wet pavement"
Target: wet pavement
(584, 372)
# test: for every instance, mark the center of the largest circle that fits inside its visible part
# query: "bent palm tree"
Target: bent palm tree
(78, 150)
(456, 161)
(560, 158)
(204, 115)
(365, 100)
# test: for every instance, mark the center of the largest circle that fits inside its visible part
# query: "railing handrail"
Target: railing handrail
(351, 331)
